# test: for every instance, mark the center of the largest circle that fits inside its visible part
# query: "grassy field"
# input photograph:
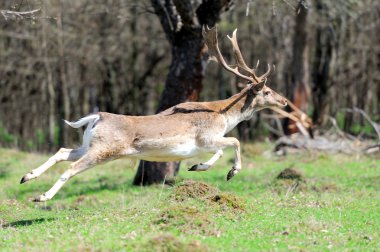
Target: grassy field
(335, 206)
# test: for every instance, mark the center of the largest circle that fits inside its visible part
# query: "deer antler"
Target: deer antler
(211, 40)
(241, 63)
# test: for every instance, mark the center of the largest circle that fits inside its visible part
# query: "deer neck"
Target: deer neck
(238, 108)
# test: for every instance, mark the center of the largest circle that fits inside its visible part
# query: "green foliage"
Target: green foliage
(356, 127)
(41, 137)
(359, 129)
(56, 136)
(7, 138)
(332, 204)
(30, 145)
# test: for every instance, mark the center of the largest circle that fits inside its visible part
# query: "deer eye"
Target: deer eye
(267, 93)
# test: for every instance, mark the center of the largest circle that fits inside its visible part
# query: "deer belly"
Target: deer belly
(169, 151)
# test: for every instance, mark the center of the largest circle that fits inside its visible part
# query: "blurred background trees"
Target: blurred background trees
(73, 58)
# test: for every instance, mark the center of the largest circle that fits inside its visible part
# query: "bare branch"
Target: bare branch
(289, 4)
(335, 125)
(375, 126)
(372, 149)
(18, 14)
(278, 132)
(248, 7)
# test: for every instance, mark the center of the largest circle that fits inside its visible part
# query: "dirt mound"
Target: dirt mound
(193, 189)
(207, 193)
(292, 174)
(290, 181)
(229, 200)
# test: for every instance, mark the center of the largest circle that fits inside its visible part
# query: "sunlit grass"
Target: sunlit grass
(336, 206)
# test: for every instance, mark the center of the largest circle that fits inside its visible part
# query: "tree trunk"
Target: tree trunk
(297, 77)
(182, 26)
(321, 69)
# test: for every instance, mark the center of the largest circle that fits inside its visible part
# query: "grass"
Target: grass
(334, 206)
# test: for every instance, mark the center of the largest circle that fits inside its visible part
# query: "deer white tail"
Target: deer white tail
(90, 122)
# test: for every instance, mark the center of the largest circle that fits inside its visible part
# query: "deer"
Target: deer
(180, 132)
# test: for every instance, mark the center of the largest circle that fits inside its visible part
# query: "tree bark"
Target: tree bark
(182, 23)
(297, 76)
(321, 69)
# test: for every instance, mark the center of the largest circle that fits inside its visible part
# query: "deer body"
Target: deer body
(180, 132)
(183, 131)
(156, 138)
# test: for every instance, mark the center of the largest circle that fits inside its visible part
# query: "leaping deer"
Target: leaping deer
(178, 133)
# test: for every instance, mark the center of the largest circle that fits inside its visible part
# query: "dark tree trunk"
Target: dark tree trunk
(321, 69)
(182, 22)
(297, 76)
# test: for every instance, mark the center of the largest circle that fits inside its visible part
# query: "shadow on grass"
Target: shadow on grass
(79, 187)
(23, 223)
(3, 173)
(97, 185)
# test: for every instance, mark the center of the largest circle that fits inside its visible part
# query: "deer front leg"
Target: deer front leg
(237, 164)
(222, 143)
(208, 164)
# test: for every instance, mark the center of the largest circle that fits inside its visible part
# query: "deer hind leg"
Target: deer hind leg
(90, 159)
(80, 165)
(62, 155)
(205, 166)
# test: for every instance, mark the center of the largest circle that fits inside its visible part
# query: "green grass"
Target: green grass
(336, 207)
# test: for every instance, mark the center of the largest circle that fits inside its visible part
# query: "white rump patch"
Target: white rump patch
(90, 121)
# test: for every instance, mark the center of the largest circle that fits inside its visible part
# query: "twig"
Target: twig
(162, 188)
(302, 130)
(291, 188)
(375, 126)
(289, 4)
(279, 125)
(285, 114)
(372, 149)
(248, 7)
(20, 14)
(276, 118)
(273, 130)
(301, 120)
(335, 125)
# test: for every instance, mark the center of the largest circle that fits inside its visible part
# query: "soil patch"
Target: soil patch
(193, 189)
(206, 193)
(229, 200)
(292, 174)
(290, 181)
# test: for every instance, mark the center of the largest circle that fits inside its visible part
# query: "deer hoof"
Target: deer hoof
(41, 198)
(232, 173)
(199, 167)
(24, 179)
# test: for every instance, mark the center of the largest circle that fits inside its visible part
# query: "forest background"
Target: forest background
(72, 58)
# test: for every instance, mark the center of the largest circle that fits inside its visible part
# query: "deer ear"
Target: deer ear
(259, 86)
